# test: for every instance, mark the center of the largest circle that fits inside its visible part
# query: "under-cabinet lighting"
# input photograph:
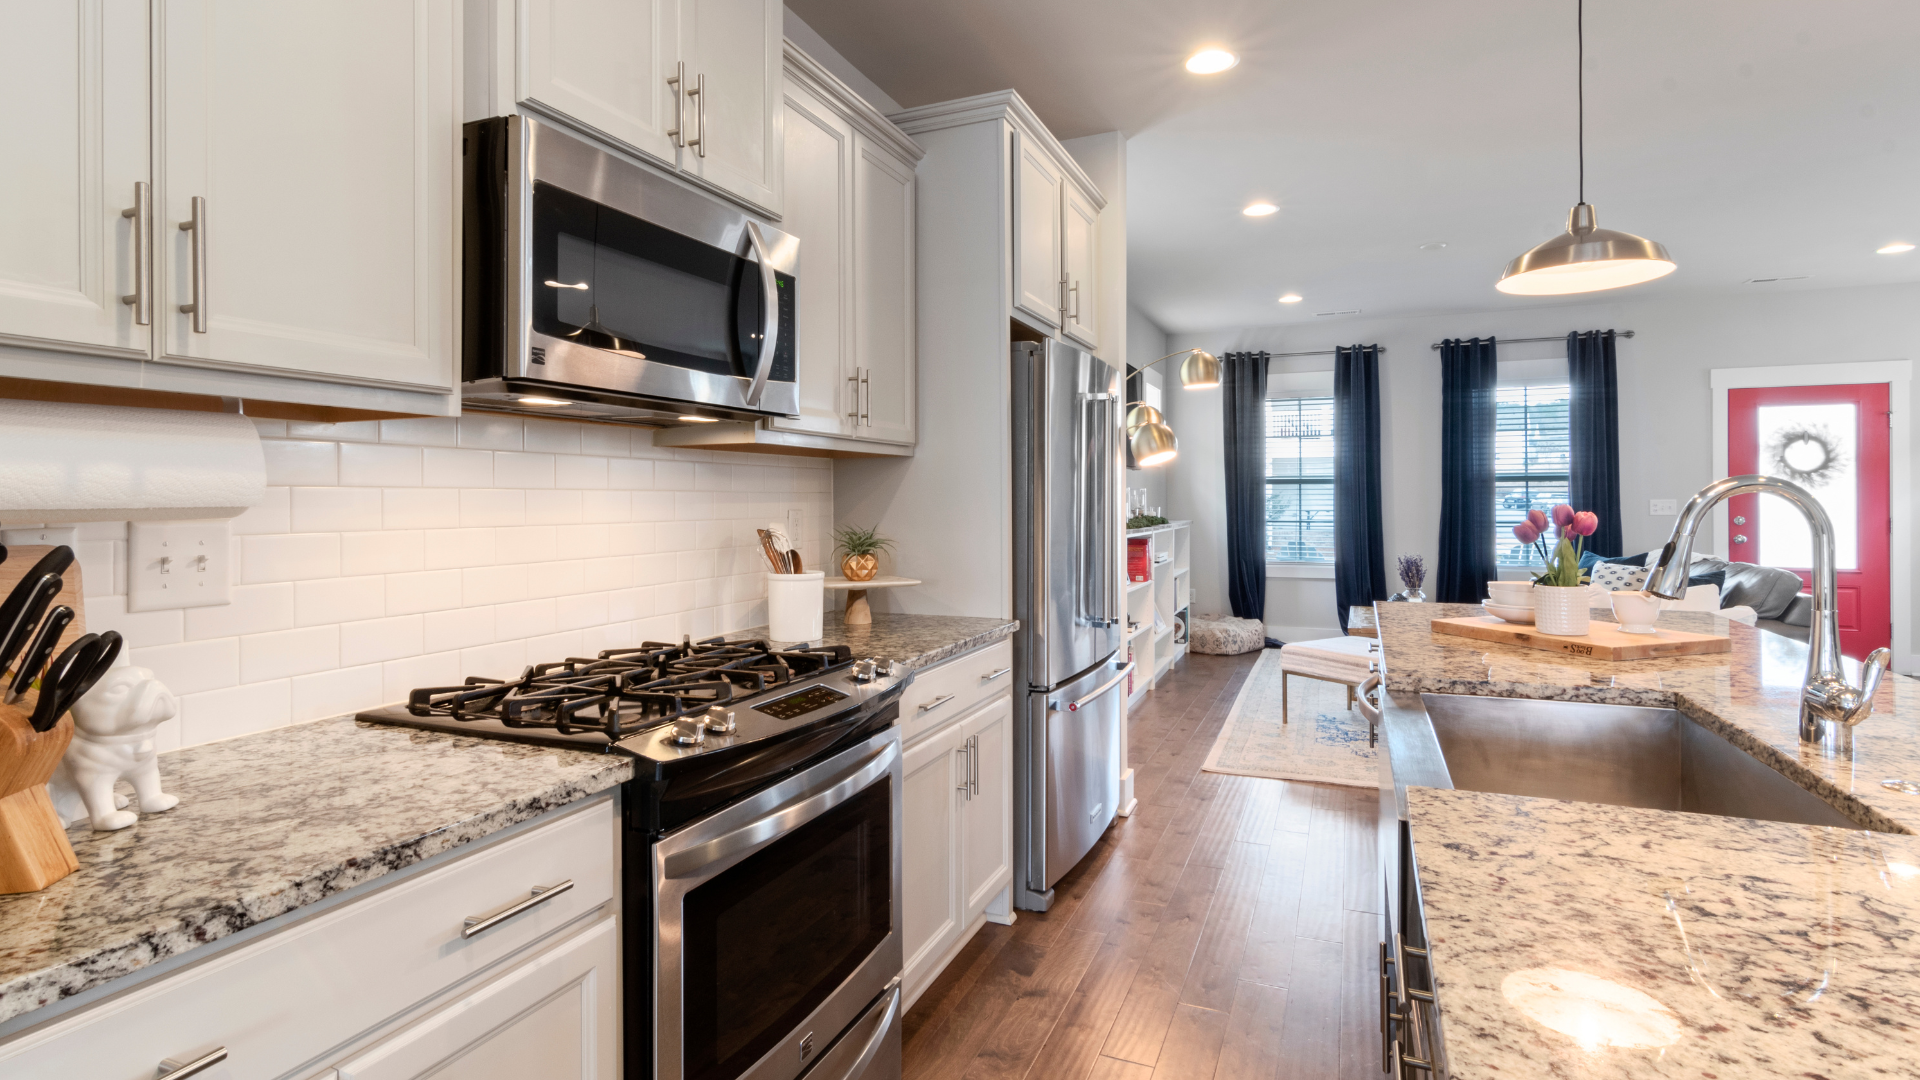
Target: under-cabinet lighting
(542, 401)
(582, 286)
(691, 419)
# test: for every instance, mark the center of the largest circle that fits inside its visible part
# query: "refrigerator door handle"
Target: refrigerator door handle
(1099, 585)
(1118, 678)
(1109, 512)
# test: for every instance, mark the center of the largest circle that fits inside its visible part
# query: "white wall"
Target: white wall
(403, 553)
(1665, 415)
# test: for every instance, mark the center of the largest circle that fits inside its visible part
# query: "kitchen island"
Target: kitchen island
(1578, 939)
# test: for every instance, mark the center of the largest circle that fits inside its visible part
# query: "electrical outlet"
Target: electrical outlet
(1663, 507)
(795, 519)
(52, 536)
(178, 564)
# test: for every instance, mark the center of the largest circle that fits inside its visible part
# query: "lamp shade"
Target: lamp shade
(1585, 258)
(1152, 443)
(1200, 371)
(1142, 414)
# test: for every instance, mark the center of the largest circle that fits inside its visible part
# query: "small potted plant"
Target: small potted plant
(1560, 599)
(860, 551)
(1413, 574)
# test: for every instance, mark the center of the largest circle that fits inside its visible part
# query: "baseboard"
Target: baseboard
(1302, 633)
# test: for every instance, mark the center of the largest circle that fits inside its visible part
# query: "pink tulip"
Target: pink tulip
(1525, 532)
(1584, 523)
(1563, 515)
(1538, 518)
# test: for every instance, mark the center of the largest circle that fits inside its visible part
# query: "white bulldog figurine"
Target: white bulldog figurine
(113, 728)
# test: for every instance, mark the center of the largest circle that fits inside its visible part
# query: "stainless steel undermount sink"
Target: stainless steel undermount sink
(1621, 755)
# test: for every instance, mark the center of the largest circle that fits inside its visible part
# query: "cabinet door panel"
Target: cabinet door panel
(605, 64)
(1036, 231)
(1081, 320)
(986, 826)
(75, 72)
(883, 293)
(930, 910)
(555, 1017)
(732, 50)
(323, 138)
(819, 201)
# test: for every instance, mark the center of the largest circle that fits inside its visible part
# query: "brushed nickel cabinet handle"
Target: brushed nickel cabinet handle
(197, 225)
(180, 1070)
(866, 396)
(480, 924)
(677, 80)
(936, 703)
(992, 675)
(141, 298)
(699, 90)
(855, 380)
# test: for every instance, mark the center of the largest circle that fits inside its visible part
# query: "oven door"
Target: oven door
(778, 925)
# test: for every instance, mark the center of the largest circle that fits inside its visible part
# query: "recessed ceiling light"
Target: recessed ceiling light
(1895, 249)
(1260, 209)
(1435, 246)
(1292, 298)
(542, 401)
(1327, 314)
(1211, 61)
(691, 419)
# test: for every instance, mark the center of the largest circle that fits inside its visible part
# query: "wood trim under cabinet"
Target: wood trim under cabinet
(128, 397)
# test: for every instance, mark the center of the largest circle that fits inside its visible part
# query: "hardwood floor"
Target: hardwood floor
(1228, 929)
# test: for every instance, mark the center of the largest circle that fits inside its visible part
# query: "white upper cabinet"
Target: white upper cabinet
(819, 199)
(731, 49)
(304, 197)
(883, 293)
(75, 76)
(608, 65)
(1080, 233)
(1037, 265)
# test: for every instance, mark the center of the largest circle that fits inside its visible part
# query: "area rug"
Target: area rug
(1324, 743)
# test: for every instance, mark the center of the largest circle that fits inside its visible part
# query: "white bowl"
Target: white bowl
(1510, 614)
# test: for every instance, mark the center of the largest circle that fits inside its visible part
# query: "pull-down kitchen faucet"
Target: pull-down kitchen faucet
(1829, 705)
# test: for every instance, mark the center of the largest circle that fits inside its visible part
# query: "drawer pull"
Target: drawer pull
(180, 1070)
(936, 703)
(992, 675)
(478, 924)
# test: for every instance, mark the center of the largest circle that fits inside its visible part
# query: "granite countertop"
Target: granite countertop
(1728, 947)
(268, 823)
(1749, 696)
(917, 641)
(1360, 621)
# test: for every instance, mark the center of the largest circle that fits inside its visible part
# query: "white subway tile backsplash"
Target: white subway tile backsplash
(368, 465)
(388, 555)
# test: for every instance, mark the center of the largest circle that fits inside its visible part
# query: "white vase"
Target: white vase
(1560, 610)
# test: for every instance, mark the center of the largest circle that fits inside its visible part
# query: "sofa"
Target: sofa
(1773, 595)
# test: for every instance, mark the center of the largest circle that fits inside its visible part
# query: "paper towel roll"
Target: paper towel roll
(61, 463)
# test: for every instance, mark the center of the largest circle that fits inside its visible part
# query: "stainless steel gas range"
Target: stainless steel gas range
(761, 847)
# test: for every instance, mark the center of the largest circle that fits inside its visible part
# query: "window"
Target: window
(1300, 476)
(1531, 462)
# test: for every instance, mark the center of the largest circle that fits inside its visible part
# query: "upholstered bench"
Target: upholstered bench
(1345, 660)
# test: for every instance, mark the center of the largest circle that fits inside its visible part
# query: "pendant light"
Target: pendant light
(1585, 258)
(1148, 435)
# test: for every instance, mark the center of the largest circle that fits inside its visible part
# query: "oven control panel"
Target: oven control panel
(796, 705)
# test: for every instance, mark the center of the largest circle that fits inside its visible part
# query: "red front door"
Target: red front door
(1831, 440)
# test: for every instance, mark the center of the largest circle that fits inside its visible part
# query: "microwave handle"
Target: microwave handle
(770, 324)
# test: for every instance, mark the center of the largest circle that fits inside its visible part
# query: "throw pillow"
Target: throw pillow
(1613, 576)
(1630, 560)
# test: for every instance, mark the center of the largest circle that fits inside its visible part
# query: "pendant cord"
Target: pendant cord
(1580, 81)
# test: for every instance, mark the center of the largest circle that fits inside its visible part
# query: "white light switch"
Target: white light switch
(178, 564)
(795, 519)
(1663, 507)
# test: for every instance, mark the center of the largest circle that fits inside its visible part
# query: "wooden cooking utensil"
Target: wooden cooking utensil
(34, 852)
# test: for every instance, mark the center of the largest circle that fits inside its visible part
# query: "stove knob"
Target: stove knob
(720, 721)
(689, 731)
(865, 670)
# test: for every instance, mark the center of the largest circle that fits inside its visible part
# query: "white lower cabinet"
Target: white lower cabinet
(957, 855)
(345, 985)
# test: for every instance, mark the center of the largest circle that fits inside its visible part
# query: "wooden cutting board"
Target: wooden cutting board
(1602, 641)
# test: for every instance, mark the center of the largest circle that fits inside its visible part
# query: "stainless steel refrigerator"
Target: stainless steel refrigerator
(1071, 603)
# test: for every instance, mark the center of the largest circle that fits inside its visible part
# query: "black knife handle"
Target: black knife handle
(59, 686)
(36, 655)
(22, 612)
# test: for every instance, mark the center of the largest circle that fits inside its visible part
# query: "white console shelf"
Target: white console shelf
(1165, 596)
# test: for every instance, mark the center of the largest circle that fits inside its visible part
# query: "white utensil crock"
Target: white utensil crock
(1560, 610)
(795, 603)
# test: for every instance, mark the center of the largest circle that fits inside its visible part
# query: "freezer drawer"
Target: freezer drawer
(1080, 725)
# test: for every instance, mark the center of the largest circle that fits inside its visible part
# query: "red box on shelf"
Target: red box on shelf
(1140, 558)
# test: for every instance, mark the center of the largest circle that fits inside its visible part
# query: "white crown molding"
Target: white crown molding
(1005, 105)
(854, 108)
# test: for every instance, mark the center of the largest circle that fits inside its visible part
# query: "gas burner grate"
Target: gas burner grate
(620, 692)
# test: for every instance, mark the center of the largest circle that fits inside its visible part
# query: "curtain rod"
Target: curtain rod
(1518, 340)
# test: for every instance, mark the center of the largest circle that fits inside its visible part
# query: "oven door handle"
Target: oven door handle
(856, 778)
(770, 305)
(888, 1015)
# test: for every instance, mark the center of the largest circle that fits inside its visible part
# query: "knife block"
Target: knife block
(34, 852)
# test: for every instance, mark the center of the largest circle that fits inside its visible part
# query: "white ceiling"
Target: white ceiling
(1755, 138)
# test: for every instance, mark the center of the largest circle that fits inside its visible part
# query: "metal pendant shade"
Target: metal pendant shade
(1200, 371)
(1152, 444)
(1585, 258)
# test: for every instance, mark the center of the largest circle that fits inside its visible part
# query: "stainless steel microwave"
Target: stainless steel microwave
(597, 289)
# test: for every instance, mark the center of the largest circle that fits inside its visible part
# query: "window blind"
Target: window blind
(1300, 479)
(1531, 461)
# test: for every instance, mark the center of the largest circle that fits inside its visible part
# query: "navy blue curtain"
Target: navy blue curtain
(1359, 545)
(1244, 398)
(1468, 374)
(1593, 431)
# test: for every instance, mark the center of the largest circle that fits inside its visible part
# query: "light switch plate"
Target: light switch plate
(178, 564)
(1663, 507)
(50, 535)
(795, 519)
